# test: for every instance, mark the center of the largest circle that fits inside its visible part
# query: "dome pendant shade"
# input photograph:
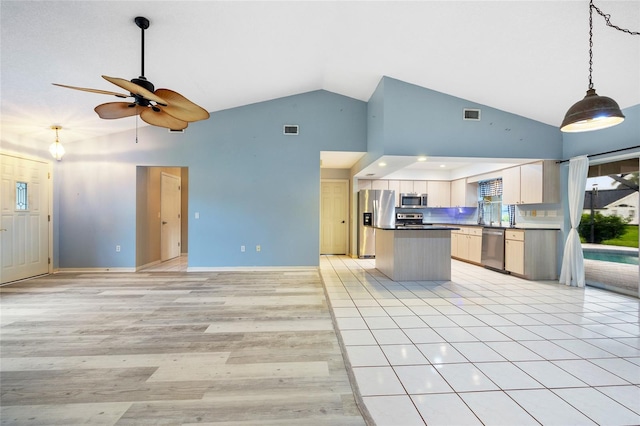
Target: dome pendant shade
(592, 113)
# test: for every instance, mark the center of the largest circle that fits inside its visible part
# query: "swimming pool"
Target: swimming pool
(616, 257)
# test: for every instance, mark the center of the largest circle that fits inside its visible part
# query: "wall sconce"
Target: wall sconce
(56, 149)
(594, 112)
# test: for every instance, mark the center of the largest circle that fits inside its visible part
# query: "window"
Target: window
(21, 196)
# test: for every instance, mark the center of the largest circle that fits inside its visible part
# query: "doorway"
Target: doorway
(25, 231)
(334, 216)
(162, 195)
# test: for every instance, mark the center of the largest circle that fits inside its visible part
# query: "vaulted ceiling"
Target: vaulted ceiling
(526, 57)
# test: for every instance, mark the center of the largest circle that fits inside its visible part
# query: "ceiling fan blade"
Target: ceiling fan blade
(135, 89)
(162, 119)
(112, 110)
(85, 89)
(181, 107)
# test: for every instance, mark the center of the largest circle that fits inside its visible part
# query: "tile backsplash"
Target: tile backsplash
(539, 215)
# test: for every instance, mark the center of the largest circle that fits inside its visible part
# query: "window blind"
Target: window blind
(490, 188)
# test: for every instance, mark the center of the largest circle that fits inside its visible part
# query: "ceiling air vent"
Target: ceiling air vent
(471, 114)
(291, 129)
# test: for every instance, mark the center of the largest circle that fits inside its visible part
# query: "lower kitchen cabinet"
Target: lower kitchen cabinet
(531, 253)
(475, 245)
(466, 244)
(514, 252)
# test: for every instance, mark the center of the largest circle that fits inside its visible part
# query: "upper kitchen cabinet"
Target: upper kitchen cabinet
(380, 184)
(439, 193)
(420, 187)
(464, 194)
(364, 184)
(533, 183)
(406, 186)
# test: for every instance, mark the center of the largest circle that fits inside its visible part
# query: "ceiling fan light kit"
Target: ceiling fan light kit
(594, 112)
(161, 107)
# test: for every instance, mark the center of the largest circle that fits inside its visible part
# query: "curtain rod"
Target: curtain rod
(603, 153)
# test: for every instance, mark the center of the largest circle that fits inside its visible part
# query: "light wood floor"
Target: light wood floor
(241, 348)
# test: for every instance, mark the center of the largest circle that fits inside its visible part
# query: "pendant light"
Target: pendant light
(56, 149)
(594, 112)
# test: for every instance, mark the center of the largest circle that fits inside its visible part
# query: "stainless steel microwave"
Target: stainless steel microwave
(408, 200)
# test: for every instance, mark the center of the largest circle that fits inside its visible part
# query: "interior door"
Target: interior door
(24, 211)
(169, 216)
(334, 216)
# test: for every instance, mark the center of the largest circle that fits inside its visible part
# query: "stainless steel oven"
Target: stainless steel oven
(492, 255)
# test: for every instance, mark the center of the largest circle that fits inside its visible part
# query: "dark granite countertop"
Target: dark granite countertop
(521, 228)
(420, 228)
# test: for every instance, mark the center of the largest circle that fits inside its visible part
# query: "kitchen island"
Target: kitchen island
(416, 253)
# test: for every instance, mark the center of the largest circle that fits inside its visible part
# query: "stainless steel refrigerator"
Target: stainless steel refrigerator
(376, 207)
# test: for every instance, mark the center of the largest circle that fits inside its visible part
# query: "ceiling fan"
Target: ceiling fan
(161, 107)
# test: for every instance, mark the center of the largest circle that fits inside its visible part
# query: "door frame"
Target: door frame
(49, 189)
(347, 211)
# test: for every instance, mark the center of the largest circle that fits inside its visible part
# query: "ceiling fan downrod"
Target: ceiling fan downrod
(143, 24)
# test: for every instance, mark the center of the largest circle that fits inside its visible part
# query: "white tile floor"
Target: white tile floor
(486, 348)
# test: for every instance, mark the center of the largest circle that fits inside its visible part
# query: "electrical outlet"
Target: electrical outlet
(118, 248)
(258, 248)
(197, 215)
(242, 248)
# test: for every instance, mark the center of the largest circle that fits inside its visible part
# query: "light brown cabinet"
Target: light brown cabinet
(531, 253)
(406, 186)
(514, 252)
(464, 194)
(466, 244)
(533, 183)
(439, 193)
(380, 184)
(364, 184)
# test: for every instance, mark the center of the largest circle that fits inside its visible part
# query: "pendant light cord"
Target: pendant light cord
(607, 19)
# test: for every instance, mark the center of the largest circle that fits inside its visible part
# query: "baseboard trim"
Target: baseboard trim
(251, 268)
(93, 270)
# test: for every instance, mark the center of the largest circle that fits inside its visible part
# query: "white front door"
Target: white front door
(169, 216)
(24, 210)
(334, 216)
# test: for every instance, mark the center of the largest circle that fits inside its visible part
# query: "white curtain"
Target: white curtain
(572, 272)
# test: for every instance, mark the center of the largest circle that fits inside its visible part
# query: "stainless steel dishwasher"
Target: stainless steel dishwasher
(492, 248)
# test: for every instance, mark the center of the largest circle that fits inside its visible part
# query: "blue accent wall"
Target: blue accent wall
(375, 127)
(420, 121)
(250, 183)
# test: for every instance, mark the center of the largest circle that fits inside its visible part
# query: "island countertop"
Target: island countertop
(418, 228)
